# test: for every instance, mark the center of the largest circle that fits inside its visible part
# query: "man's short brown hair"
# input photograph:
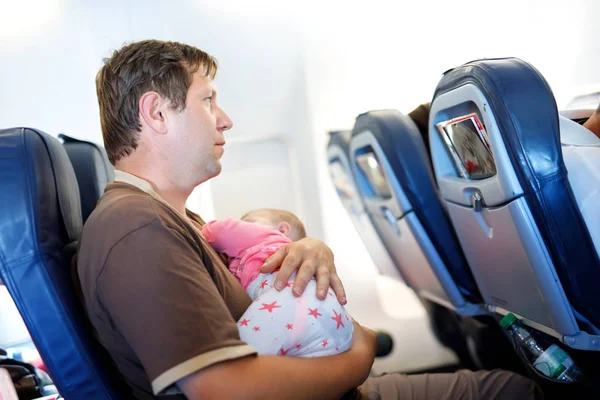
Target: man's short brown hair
(137, 68)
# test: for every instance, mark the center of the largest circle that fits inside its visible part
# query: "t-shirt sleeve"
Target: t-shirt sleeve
(162, 300)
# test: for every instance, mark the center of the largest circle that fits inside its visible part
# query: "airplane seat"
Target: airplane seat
(345, 185)
(92, 169)
(395, 180)
(444, 324)
(495, 139)
(40, 225)
(396, 184)
(581, 153)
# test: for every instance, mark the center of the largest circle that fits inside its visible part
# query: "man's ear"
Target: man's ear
(284, 228)
(151, 108)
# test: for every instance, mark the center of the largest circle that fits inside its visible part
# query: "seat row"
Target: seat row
(490, 208)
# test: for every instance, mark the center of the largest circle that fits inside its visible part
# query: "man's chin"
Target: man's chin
(209, 174)
(214, 170)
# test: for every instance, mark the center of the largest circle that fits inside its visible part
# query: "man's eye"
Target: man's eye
(209, 100)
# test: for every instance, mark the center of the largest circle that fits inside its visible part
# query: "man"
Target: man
(162, 301)
(593, 122)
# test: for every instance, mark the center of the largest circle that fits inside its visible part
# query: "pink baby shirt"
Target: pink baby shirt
(249, 244)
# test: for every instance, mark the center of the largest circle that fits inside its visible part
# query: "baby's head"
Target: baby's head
(284, 221)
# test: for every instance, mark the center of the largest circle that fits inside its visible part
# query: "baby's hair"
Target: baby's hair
(282, 215)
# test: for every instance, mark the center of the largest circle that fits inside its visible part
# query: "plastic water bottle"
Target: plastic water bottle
(551, 361)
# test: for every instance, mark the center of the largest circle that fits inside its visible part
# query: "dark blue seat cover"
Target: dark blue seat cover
(406, 153)
(341, 139)
(527, 116)
(40, 222)
(92, 169)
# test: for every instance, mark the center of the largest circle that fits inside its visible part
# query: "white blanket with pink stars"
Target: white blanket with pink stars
(280, 323)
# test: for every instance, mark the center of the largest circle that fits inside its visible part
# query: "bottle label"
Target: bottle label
(553, 362)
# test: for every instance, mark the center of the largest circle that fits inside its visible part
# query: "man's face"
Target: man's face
(196, 141)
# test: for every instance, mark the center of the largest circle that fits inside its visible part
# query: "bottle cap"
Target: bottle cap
(508, 320)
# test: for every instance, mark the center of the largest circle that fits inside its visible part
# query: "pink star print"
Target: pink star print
(338, 320)
(256, 328)
(265, 283)
(315, 313)
(288, 284)
(283, 352)
(244, 322)
(298, 346)
(325, 343)
(269, 307)
(290, 327)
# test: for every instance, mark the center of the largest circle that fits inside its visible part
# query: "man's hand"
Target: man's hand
(310, 257)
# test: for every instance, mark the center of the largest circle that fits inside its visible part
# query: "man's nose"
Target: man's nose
(224, 123)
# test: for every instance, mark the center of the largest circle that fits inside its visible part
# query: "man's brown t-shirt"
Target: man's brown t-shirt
(161, 300)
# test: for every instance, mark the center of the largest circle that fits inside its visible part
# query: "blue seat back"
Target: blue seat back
(520, 227)
(92, 169)
(40, 216)
(407, 211)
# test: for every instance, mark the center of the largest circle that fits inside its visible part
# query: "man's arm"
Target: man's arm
(281, 377)
(164, 301)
